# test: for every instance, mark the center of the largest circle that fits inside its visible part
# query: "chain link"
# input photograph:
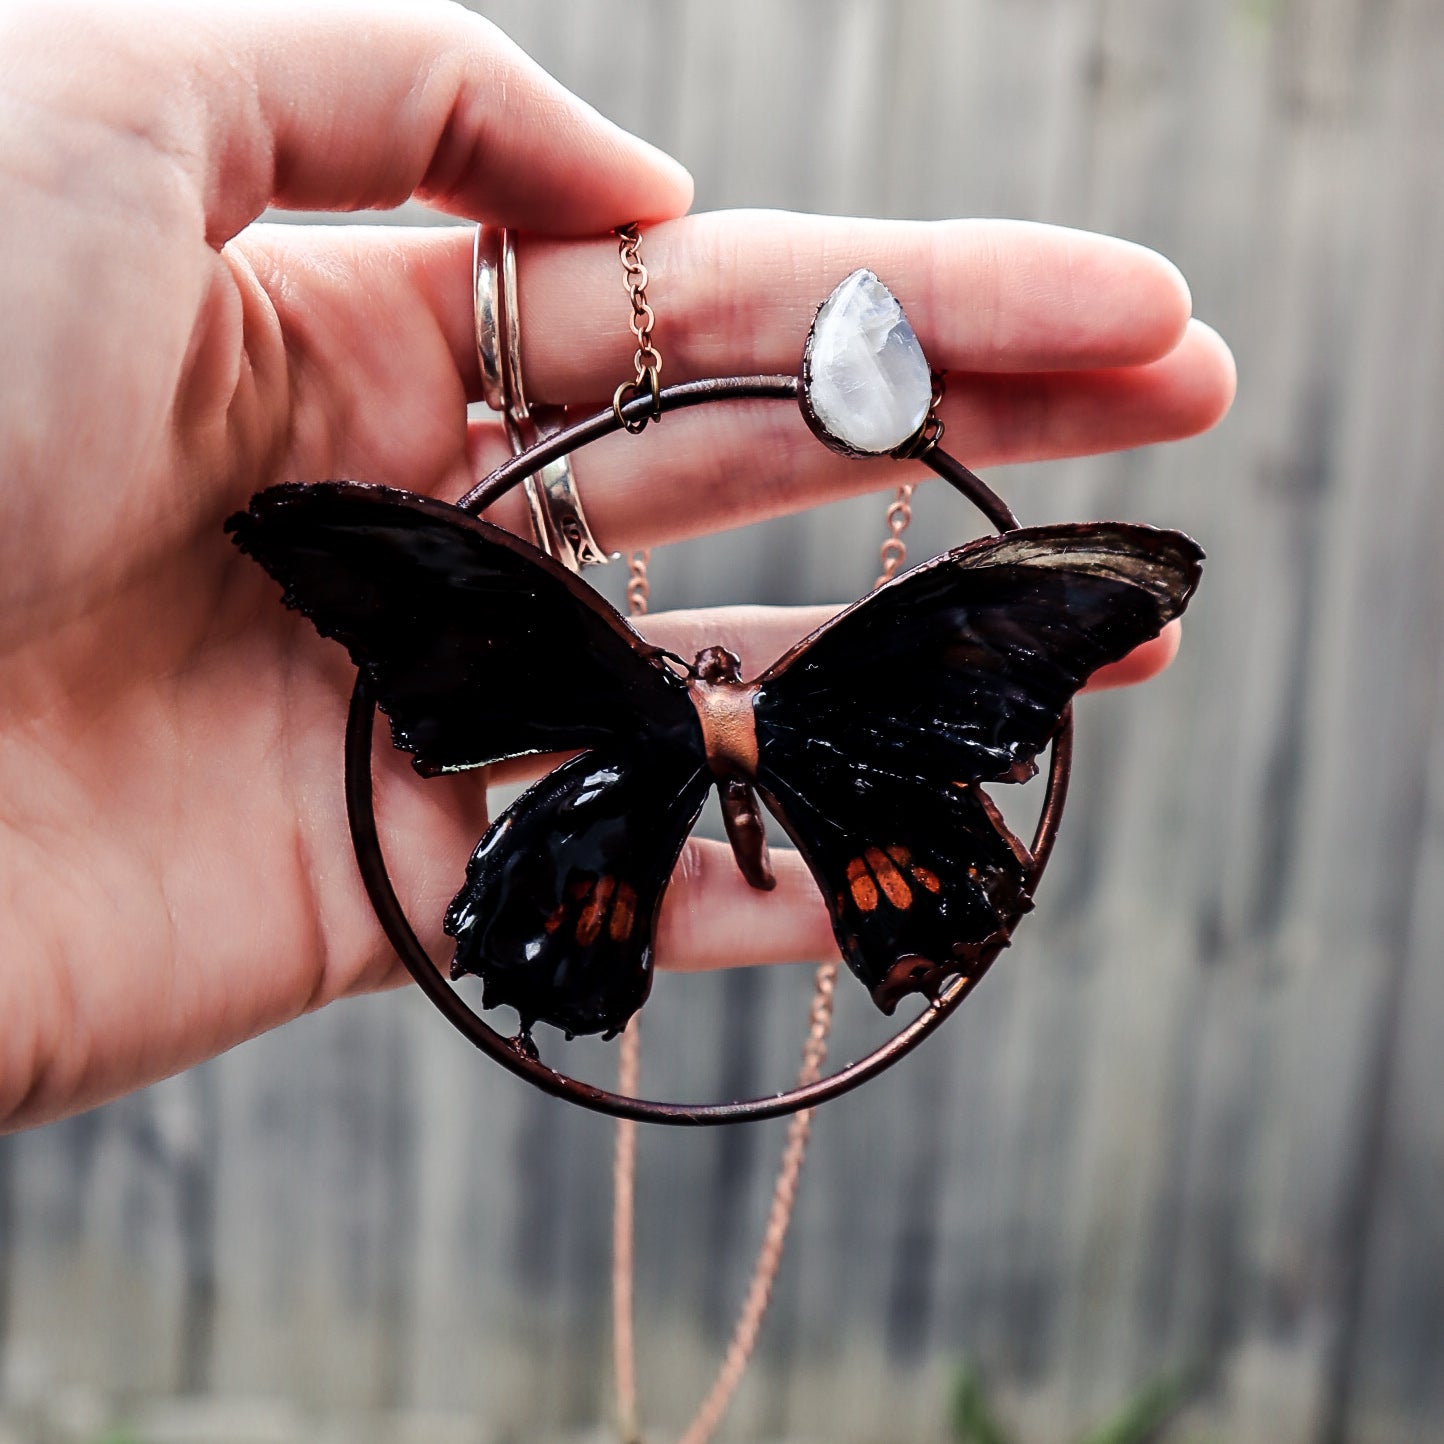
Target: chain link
(930, 433)
(647, 360)
(639, 588)
(894, 551)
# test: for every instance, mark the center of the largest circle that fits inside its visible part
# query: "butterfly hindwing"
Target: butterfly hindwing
(875, 733)
(920, 880)
(559, 906)
(477, 647)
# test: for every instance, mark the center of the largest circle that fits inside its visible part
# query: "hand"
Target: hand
(173, 838)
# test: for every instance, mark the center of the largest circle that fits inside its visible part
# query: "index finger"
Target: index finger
(344, 106)
(735, 291)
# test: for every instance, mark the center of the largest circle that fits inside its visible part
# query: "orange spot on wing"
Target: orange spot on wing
(928, 879)
(589, 925)
(892, 882)
(864, 893)
(558, 917)
(861, 885)
(624, 911)
(904, 858)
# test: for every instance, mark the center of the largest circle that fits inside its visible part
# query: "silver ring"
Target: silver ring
(486, 305)
(553, 502)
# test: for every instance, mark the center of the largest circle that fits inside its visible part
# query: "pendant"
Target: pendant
(873, 743)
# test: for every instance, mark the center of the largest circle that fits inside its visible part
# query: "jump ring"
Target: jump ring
(629, 391)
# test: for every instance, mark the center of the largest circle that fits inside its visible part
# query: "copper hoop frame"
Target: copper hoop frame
(360, 807)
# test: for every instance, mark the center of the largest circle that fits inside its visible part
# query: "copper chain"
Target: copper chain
(647, 359)
(779, 1216)
(894, 550)
(784, 1190)
(624, 1208)
(624, 1156)
(638, 587)
(714, 1404)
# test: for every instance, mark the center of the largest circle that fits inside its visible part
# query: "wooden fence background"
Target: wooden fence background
(1194, 1120)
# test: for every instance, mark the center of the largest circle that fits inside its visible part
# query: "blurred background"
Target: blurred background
(1192, 1126)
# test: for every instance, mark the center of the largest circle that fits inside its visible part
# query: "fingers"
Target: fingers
(727, 466)
(1082, 344)
(338, 106)
(735, 291)
(365, 310)
(757, 635)
(1141, 663)
(713, 918)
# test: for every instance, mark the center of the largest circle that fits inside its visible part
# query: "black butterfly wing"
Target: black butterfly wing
(875, 734)
(559, 908)
(476, 645)
(921, 880)
(478, 648)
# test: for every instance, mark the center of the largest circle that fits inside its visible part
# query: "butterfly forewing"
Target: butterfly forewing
(875, 734)
(962, 667)
(477, 647)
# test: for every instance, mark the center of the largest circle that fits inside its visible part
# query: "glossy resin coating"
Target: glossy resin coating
(870, 741)
(559, 907)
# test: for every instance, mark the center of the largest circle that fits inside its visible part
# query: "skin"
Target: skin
(175, 869)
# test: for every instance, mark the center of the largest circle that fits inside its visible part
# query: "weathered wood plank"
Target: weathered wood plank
(1191, 1118)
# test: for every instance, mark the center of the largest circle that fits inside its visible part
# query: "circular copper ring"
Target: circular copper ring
(361, 811)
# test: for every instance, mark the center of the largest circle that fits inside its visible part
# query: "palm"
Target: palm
(189, 758)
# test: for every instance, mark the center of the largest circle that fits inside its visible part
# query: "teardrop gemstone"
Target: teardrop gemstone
(865, 379)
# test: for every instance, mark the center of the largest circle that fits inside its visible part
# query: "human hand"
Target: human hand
(172, 830)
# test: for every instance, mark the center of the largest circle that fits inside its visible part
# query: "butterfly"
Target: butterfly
(871, 742)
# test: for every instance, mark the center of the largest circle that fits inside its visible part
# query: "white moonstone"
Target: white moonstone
(868, 380)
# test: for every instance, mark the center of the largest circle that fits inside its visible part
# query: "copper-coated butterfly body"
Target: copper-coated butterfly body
(724, 704)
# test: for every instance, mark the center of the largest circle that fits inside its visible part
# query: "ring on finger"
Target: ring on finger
(554, 504)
